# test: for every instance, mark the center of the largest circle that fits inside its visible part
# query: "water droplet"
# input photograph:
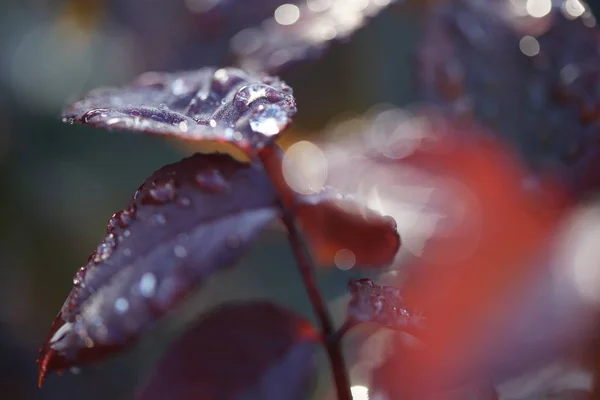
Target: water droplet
(158, 219)
(180, 251)
(211, 181)
(88, 116)
(148, 284)
(105, 249)
(160, 193)
(184, 202)
(183, 126)
(57, 341)
(391, 222)
(127, 252)
(269, 120)
(121, 305)
(344, 259)
(79, 276)
(248, 94)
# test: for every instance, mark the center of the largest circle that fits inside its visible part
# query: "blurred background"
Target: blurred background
(61, 183)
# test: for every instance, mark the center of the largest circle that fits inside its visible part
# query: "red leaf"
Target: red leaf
(479, 285)
(226, 105)
(338, 228)
(250, 351)
(187, 221)
(333, 223)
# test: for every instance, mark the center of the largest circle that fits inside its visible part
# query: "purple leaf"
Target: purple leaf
(533, 80)
(240, 351)
(226, 105)
(382, 305)
(187, 221)
(298, 32)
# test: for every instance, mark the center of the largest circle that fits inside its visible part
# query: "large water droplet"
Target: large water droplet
(269, 120)
(57, 341)
(250, 93)
(160, 193)
(90, 115)
(211, 181)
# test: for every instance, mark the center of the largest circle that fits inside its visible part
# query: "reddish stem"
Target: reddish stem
(271, 158)
(334, 347)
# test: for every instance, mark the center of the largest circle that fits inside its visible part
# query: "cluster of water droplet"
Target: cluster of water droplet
(380, 304)
(226, 104)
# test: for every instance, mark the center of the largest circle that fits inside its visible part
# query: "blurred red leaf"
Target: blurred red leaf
(225, 105)
(251, 351)
(480, 285)
(332, 222)
(187, 221)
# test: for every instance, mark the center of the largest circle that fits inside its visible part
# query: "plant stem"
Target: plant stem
(271, 158)
(334, 347)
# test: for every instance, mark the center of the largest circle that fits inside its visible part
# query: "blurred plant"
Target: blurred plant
(486, 182)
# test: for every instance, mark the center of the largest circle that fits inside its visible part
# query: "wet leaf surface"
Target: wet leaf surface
(382, 305)
(338, 229)
(247, 351)
(301, 31)
(532, 80)
(187, 221)
(225, 105)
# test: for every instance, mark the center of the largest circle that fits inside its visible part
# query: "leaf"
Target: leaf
(532, 80)
(303, 31)
(341, 230)
(241, 351)
(226, 105)
(492, 302)
(187, 221)
(335, 226)
(382, 305)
